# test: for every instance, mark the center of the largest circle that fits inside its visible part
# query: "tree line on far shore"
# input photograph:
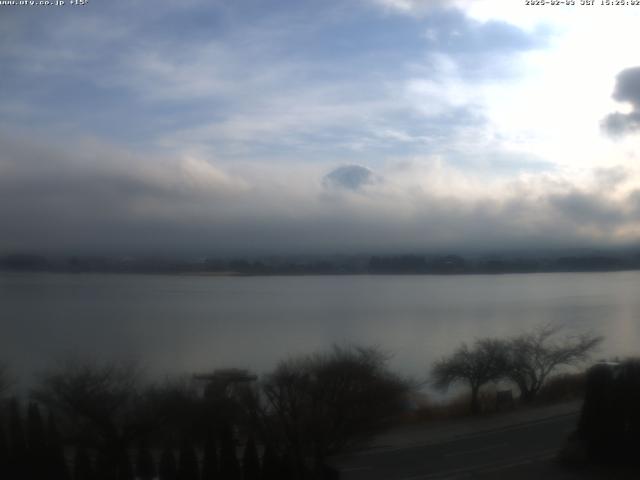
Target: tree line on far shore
(104, 422)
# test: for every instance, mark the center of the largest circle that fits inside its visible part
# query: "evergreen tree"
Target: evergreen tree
(188, 462)
(105, 469)
(168, 469)
(18, 459)
(250, 461)
(287, 468)
(229, 467)
(4, 454)
(82, 465)
(57, 464)
(145, 465)
(270, 464)
(125, 470)
(210, 460)
(37, 443)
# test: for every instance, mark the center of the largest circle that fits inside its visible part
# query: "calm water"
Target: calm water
(188, 323)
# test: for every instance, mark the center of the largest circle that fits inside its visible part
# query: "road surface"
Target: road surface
(519, 448)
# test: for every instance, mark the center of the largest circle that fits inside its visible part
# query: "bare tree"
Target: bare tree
(477, 365)
(533, 356)
(98, 401)
(325, 402)
(176, 408)
(229, 396)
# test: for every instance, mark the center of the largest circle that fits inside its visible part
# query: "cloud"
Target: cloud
(307, 81)
(627, 91)
(419, 7)
(84, 196)
(212, 129)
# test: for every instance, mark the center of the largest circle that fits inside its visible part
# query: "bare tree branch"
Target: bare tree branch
(484, 362)
(328, 401)
(97, 399)
(535, 355)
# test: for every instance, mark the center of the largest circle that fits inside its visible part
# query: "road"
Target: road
(482, 455)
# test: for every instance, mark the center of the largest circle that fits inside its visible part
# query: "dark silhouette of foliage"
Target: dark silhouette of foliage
(600, 419)
(175, 410)
(37, 443)
(125, 469)
(229, 467)
(224, 396)
(101, 396)
(250, 461)
(609, 423)
(57, 463)
(289, 469)
(187, 462)
(82, 465)
(527, 360)
(327, 402)
(99, 401)
(533, 356)
(18, 453)
(478, 365)
(210, 459)
(167, 469)
(105, 467)
(145, 465)
(270, 464)
(4, 453)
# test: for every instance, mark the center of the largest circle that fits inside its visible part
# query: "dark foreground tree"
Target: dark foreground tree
(476, 366)
(326, 402)
(83, 466)
(229, 466)
(533, 356)
(167, 469)
(175, 409)
(4, 452)
(250, 461)
(145, 465)
(125, 468)
(18, 453)
(210, 458)
(270, 464)
(187, 462)
(609, 425)
(37, 443)
(99, 401)
(58, 469)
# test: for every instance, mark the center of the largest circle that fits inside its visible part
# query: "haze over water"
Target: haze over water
(184, 324)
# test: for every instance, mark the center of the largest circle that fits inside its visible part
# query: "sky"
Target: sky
(206, 127)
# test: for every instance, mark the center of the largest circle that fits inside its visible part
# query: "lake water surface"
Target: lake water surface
(195, 323)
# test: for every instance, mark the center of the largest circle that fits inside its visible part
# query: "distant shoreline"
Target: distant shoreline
(231, 274)
(414, 264)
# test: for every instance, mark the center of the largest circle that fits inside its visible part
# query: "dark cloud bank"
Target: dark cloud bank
(90, 198)
(627, 91)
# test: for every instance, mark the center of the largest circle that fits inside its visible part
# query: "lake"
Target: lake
(197, 323)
